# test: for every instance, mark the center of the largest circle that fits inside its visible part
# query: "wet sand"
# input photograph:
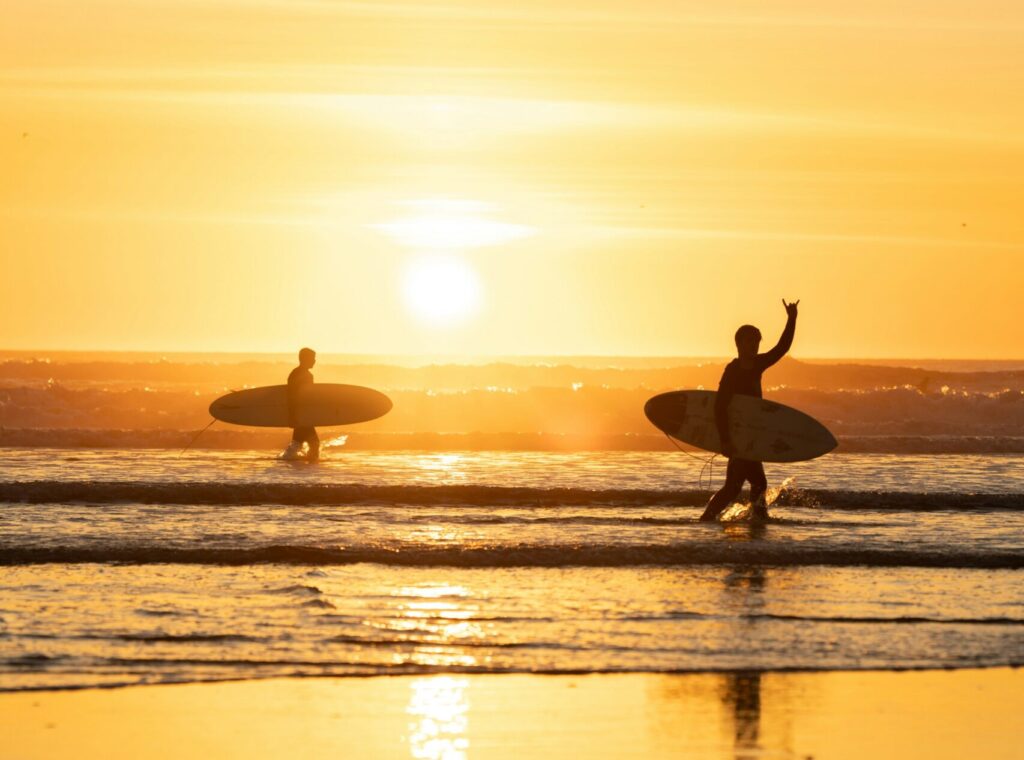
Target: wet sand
(905, 715)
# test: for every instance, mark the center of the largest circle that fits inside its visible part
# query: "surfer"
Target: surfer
(299, 380)
(743, 375)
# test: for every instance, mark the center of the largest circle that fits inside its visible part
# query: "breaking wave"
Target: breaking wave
(523, 555)
(872, 442)
(308, 494)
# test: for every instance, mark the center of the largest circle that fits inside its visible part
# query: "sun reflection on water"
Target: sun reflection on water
(436, 534)
(439, 708)
(450, 466)
(432, 591)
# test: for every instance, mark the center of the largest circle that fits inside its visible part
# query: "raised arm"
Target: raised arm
(785, 340)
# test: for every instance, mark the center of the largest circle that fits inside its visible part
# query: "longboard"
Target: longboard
(319, 405)
(762, 431)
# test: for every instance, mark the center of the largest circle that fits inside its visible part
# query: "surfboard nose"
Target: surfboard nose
(833, 443)
(666, 410)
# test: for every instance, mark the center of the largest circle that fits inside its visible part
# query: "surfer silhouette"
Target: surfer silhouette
(743, 375)
(299, 380)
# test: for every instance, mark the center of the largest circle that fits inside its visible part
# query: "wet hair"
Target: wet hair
(306, 353)
(747, 332)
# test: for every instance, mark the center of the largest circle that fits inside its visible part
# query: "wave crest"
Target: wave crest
(525, 555)
(308, 494)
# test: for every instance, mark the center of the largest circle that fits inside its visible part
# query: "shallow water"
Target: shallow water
(89, 624)
(948, 473)
(152, 568)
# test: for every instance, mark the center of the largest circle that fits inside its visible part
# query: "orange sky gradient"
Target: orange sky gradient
(499, 177)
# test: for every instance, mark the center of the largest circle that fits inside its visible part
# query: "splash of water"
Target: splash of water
(772, 494)
(740, 511)
(294, 451)
(299, 451)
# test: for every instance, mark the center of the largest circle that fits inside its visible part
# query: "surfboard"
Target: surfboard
(320, 405)
(763, 431)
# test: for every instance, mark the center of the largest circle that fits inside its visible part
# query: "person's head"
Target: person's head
(748, 340)
(307, 358)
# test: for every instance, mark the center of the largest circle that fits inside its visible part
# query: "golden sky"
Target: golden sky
(512, 176)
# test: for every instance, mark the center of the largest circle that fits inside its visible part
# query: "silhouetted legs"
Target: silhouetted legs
(738, 471)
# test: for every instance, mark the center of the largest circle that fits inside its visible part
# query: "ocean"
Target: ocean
(155, 566)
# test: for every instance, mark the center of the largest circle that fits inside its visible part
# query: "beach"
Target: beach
(825, 716)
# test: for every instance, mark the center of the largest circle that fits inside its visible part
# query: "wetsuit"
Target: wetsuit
(299, 380)
(739, 377)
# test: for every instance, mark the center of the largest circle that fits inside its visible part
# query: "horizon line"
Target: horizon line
(458, 358)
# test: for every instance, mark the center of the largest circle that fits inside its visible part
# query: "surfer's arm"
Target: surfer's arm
(291, 404)
(785, 340)
(294, 388)
(722, 399)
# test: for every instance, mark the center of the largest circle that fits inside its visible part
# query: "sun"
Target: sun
(441, 290)
(439, 286)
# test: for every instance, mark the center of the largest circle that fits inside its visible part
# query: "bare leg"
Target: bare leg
(726, 494)
(758, 489)
(313, 441)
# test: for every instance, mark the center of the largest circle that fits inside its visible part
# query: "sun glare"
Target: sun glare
(441, 290)
(442, 223)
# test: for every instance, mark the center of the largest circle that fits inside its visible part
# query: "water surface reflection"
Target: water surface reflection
(439, 718)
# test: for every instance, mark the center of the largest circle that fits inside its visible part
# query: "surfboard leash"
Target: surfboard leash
(196, 436)
(707, 464)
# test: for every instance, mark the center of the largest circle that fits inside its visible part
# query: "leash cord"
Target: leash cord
(196, 437)
(707, 464)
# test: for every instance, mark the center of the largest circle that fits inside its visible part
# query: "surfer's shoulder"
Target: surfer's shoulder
(731, 367)
(727, 375)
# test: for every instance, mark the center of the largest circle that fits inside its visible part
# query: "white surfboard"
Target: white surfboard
(762, 431)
